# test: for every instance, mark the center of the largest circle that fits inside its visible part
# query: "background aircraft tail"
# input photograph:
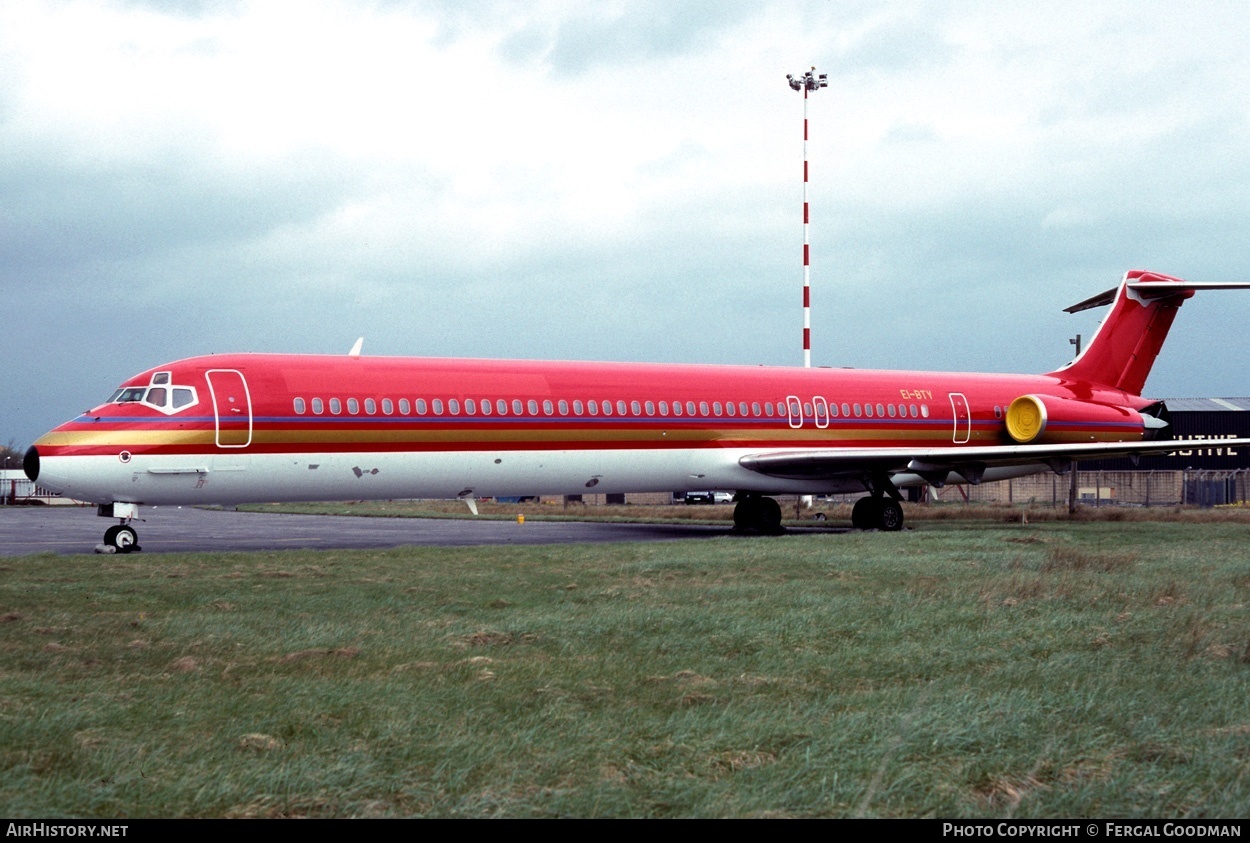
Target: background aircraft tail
(1123, 349)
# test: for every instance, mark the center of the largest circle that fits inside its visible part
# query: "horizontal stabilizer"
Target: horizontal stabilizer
(1100, 300)
(1156, 290)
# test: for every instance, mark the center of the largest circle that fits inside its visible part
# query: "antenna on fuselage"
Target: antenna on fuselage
(355, 352)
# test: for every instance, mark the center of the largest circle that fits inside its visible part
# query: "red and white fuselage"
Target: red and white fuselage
(257, 427)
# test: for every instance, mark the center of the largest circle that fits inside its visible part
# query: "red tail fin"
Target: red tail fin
(1123, 349)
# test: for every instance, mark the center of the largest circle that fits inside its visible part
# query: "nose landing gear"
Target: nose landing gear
(120, 538)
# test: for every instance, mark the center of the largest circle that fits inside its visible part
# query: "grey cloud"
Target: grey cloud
(907, 43)
(642, 31)
(58, 214)
(187, 8)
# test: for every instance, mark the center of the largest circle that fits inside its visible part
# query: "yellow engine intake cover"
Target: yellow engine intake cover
(1026, 419)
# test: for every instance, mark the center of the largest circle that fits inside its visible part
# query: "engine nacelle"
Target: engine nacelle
(1045, 419)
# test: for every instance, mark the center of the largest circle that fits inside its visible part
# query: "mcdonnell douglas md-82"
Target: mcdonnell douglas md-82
(238, 428)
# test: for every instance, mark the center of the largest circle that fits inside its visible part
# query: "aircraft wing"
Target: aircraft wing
(968, 461)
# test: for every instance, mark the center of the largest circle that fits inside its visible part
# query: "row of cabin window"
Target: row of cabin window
(819, 410)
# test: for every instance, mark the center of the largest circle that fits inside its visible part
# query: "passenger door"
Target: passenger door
(232, 407)
(963, 418)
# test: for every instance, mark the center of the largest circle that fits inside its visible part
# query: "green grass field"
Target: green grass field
(961, 669)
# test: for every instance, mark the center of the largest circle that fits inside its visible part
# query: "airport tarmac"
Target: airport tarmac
(65, 530)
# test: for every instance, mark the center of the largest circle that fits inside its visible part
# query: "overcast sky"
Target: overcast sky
(610, 181)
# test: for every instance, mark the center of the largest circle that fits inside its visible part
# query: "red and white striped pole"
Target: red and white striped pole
(809, 82)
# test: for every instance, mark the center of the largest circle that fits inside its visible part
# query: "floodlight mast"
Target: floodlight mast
(809, 81)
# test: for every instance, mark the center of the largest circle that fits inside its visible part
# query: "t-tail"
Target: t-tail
(1123, 349)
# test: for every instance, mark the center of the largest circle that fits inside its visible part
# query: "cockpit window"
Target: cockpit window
(160, 394)
(127, 396)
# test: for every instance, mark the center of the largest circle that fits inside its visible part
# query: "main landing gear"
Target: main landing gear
(877, 513)
(120, 538)
(881, 511)
(758, 513)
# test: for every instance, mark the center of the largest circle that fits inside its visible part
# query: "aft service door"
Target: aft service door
(232, 406)
(963, 419)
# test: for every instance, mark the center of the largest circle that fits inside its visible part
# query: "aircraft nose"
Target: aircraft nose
(30, 464)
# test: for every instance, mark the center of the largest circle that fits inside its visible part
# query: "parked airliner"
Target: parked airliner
(237, 428)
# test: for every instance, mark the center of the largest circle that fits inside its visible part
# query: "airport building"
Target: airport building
(16, 488)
